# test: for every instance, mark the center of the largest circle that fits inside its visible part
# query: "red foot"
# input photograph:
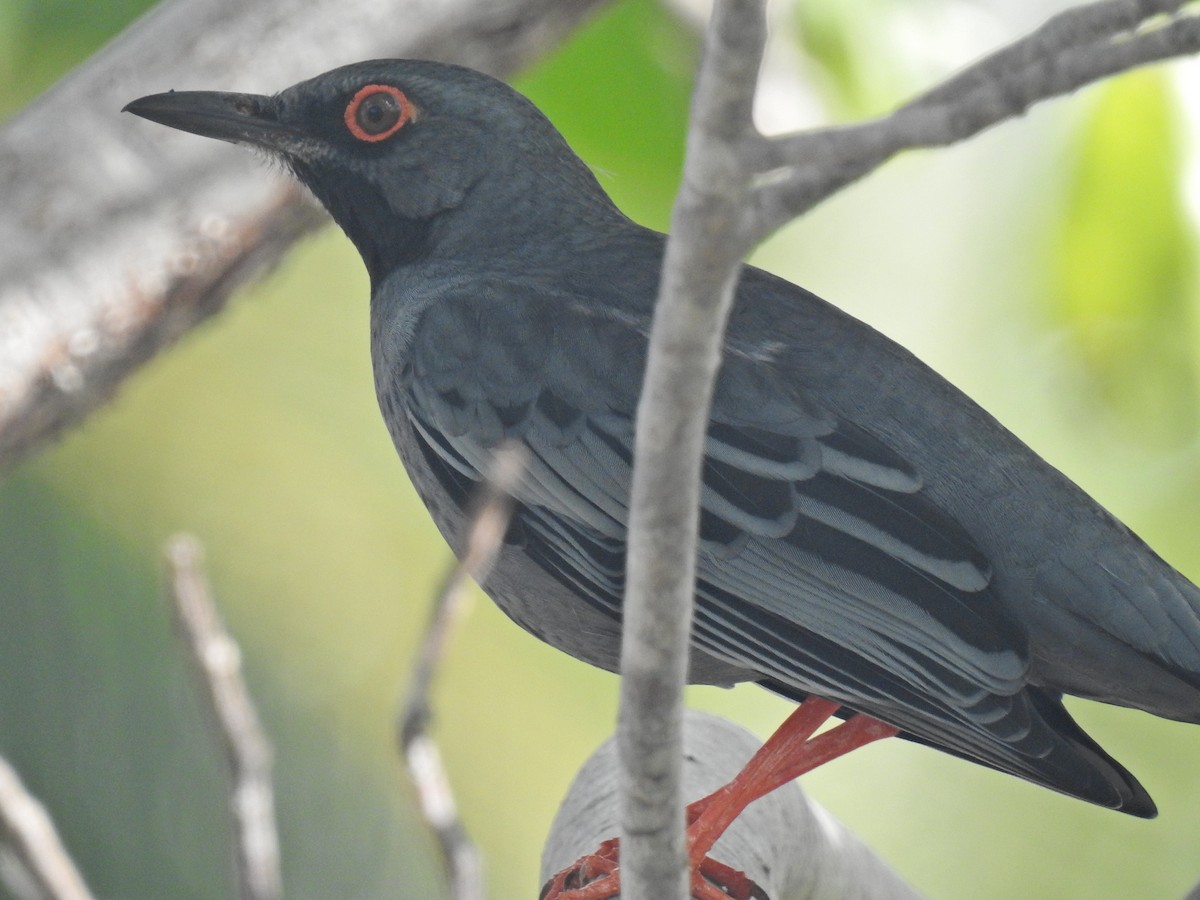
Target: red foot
(592, 877)
(597, 877)
(789, 753)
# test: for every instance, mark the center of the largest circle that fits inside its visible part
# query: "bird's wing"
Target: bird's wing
(823, 564)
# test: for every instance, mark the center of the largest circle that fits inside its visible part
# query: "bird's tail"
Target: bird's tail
(1050, 749)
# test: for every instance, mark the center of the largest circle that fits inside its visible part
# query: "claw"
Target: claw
(591, 877)
(717, 881)
(789, 753)
(598, 877)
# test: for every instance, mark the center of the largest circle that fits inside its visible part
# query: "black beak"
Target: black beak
(239, 118)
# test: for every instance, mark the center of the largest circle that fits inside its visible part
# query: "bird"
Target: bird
(873, 544)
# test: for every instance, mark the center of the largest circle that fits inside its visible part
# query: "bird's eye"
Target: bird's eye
(377, 112)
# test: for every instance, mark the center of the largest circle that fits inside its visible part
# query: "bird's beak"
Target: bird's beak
(239, 118)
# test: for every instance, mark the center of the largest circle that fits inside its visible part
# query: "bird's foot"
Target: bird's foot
(592, 877)
(597, 876)
(789, 753)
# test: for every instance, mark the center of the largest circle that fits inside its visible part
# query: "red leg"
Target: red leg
(788, 753)
(797, 728)
(592, 877)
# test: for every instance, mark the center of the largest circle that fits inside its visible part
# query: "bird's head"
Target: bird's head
(411, 158)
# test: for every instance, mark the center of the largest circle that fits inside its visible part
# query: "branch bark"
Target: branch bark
(695, 295)
(33, 861)
(788, 845)
(464, 869)
(117, 239)
(1073, 49)
(217, 661)
(738, 187)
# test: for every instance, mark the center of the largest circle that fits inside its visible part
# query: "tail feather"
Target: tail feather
(1067, 760)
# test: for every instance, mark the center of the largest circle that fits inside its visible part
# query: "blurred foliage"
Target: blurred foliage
(626, 118)
(1122, 274)
(846, 42)
(1003, 263)
(869, 55)
(73, 601)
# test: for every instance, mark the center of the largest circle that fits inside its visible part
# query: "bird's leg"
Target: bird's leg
(788, 753)
(591, 877)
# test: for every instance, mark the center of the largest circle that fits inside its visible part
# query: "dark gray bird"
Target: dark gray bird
(869, 534)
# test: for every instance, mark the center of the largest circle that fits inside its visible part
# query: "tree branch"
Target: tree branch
(117, 239)
(738, 187)
(485, 537)
(248, 759)
(695, 294)
(33, 861)
(1074, 49)
(785, 843)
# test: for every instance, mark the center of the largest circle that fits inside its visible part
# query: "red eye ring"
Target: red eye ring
(377, 112)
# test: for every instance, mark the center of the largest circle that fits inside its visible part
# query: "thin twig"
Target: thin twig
(1074, 49)
(34, 863)
(464, 869)
(248, 756)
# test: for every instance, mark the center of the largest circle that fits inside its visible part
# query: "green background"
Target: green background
(1048, 268)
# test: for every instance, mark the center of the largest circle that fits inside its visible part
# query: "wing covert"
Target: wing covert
(823, 563)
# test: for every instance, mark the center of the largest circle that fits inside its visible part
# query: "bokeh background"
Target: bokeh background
(1047, 267)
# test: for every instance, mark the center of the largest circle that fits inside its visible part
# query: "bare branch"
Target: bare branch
(117, 238)
(248, 758)
(484, 539)
(34, 865)
(1072, 50)
(738, 187)
(785, 843)
(695, 294)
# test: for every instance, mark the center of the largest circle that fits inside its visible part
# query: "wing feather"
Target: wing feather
(823, 564)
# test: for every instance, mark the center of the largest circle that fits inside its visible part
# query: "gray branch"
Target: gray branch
(464, 868)
(738, 187)
(695, 294)
(116, 239)
(34, 865)
(1074, 49)
(788, 845)
(217, 662)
